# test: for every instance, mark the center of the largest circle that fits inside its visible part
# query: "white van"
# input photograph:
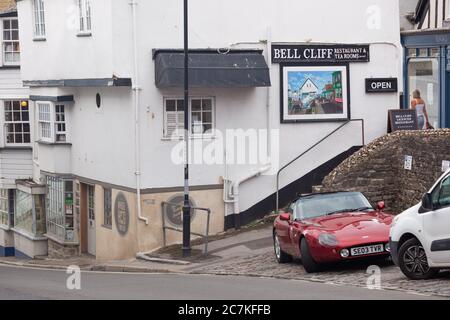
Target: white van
(420, 236)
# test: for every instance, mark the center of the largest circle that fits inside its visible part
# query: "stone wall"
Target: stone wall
(378, 170)
(60, 251)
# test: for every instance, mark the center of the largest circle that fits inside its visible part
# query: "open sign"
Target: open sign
(381, 85)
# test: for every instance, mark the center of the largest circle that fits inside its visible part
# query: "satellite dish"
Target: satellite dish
(174, 212)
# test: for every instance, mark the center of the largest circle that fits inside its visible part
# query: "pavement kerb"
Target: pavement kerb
(145, 257)
(122, 269)
(35, 266)
(97, 268)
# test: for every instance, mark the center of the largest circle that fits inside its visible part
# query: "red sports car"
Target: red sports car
(331, 227)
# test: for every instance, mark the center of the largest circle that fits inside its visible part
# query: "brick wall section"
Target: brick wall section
(378, 170)
(7, 4)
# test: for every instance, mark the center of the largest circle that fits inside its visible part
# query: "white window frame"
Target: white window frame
(59, 214)
(52, 122)
(39, 19)
(11, 41)
(58, 122)
(179, 116)
(84, 17)
(447, 10)
(41, 120)
(5, 200)
(14, 122)
(180, 123)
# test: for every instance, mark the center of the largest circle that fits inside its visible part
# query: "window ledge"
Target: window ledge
(28, 235)
(39, 39)
(67, 144)
(197, 137)
(10, 67)
(6, 147)
(107, 227)
(5, 228)
(84, 34)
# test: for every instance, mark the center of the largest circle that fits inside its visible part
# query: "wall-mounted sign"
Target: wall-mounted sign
(408, 163)
(314, 93)
(402, 120)
(445, 165)
(70, 235)
(381, 85)
(121, 214)
(174, 211)
(320, 53)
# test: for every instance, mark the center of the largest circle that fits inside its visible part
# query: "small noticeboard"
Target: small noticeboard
(445, 165)
(408, 163)
(400, 120)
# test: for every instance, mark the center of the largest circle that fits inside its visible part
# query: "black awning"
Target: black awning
(235, 69)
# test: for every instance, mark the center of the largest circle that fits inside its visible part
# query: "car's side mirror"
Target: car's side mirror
(427, 202)
(381, 205)
(285, 217)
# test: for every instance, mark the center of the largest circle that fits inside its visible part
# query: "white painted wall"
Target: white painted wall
(59, 54)
(103, 140)
(11, 85)
(14, 164)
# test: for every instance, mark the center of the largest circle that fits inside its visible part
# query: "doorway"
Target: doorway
(424, 76)
(88, 219)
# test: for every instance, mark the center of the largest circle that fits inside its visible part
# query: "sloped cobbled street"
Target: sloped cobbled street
(265, 265)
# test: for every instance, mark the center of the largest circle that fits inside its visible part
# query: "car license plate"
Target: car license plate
(361, 251)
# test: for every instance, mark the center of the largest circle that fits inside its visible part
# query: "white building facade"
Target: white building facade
(106, 104)
(16, 137)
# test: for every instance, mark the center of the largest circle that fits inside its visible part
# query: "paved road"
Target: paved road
(25, 283)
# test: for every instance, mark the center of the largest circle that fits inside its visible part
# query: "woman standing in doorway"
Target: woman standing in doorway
(422, 115)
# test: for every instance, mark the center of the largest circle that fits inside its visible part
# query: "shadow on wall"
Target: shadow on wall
(378, 170)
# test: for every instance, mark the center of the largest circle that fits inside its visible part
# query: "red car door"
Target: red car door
(283, 229)
(294, 238)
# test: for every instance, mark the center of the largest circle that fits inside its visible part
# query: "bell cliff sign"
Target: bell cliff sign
(320, 53)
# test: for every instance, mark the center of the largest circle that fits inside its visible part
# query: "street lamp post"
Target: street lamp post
(187, 205)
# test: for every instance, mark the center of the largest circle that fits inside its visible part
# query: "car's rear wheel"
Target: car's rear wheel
(413, 261)
(282, 257)
(308, 262)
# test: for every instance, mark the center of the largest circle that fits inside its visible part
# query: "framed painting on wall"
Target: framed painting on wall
(315, 93)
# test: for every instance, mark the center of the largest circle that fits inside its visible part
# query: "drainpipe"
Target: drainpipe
(269, 93)
(136, 91)
(235, 186)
